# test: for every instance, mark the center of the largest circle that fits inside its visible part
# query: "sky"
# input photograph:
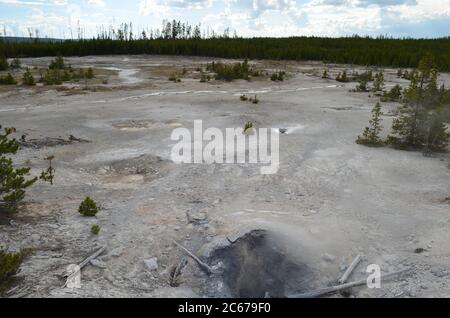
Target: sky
(278, 18)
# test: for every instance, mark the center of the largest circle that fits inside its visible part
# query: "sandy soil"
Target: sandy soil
(331, 199)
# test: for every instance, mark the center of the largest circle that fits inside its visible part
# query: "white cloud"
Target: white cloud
(247, 17)
(34, 3)
(422, 10)
(155, 7)
(97, 3)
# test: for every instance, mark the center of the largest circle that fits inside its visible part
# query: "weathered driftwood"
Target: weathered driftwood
(48, 142)
(202, 265)
(83, 264)
(177, 272)
(93, 256)
(23, 292)
(350, 270)
(335, 289)
(89, 259)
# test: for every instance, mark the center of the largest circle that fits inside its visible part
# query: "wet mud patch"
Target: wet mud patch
(345, 108)
(49, 142)
(138, 125)
(257, 265)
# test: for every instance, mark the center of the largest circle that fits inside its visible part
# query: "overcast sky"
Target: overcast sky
(398, 18)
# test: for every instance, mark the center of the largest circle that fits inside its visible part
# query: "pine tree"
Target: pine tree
(362, 86)
(16, 64)
(371, 134)
(408, 126)
(8, 80)
(58, 63)
(378, 84)
(3, 63)
(90, 73)
(394, 95)
(342, 77)
(88, 207)
(437, 134)
(420, 121)
(28, 78)
(12, 181)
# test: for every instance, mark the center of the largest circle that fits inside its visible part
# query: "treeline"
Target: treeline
(176, 38)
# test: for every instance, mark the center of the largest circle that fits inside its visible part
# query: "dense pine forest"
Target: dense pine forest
(176, 38)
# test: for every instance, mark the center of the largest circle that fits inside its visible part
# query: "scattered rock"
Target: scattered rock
(35, 237)
(439, 272)
(328, 257)
(419, 250)
(197, 217)
(151, 264)
(53, 226)
(98, 263)
(116, 252)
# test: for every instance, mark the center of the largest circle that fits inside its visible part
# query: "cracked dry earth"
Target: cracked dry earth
(330, 200)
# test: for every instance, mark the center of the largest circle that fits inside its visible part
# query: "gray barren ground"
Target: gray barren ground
(330, 200)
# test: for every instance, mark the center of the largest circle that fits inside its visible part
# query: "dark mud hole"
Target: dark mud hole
(257, 266)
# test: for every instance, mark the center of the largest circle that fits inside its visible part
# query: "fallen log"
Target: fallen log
(80, 266)
(350, 270)
(202, 265)
(177, 272)
(89, 259)
(335, 289)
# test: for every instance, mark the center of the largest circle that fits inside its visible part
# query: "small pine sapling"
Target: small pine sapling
(88, 207)
(49, 174)
(371, 134)
(95, 229)
(28, 78)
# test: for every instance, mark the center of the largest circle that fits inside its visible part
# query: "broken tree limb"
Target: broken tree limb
(335, 289)
(350, 269)
(177, 272)
(90, 258)
(93, 256)
(80, 266)
(202, 265)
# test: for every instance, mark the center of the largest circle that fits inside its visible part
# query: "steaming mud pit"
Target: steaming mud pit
(256, 265)
(330, 200)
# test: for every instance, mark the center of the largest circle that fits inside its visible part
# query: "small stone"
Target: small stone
(328, 257)
(98, 263)
(151, 264)
(116, 252)
(53, 226)
(197, 217)
(438, 272)
(35, 237)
